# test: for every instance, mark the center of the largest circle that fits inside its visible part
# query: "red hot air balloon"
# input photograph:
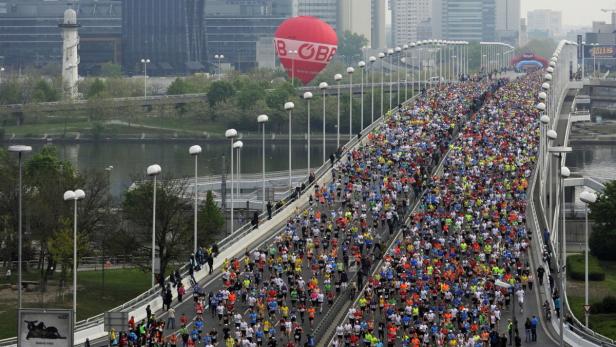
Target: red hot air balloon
(305, 45)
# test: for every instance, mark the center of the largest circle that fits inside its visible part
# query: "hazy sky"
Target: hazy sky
(575, 12)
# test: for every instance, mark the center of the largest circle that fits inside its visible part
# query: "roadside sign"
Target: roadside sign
(587, 308)
(45, 327)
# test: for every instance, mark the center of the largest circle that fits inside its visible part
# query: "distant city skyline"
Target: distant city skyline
(574, 12)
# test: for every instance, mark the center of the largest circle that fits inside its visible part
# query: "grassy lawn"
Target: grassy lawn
(120, 286)
(604, 324)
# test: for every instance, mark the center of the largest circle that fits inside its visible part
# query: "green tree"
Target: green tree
(173, 219)
(350, 46)
(211, 220)
(96, 89)
(220, 91)
(603, 213)
(178, 87)
(249, 94)
(110, 69)
(10, 92)
(44, 92)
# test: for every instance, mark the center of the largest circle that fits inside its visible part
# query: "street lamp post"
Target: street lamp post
(587, 198)
(262, 119)
(195, 151)
(289, 106)
(382, 57)
(231, 134)
(398, 50)
(350, 71)
(308, 97)
(74, 195)
(20, 150)
(552, 136)
(372, 59)
(323, 86)
(564, 173)
(145, 63)
(238, 167)
(337, 78)
(413, 45)
(362, 67)
(1, 73)
(390, 53)
(153, 171)
(406, 71)
(219, 57)
(108, 169)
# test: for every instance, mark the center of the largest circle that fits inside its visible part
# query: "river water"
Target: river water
(130, 160)
(598, 161)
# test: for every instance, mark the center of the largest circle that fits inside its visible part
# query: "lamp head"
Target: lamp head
(69, 195)
(194, 150)
(381, 55)
(547, 77)
(588, 197)
(545, 86)
(405, 47)
(361, 64)
(337, 77)
(390, 51)
(262, 118)
(231, 133)
(545, 119)
(372, 59)
(238, 144)
(79, 194)
(153, 170)
(20, 149)
(307, 95)
(550, 69)
(552, 135)
(350, 70)
(543, 95)
(540, 106)
(289, 106)
(323, 85)
(565, 172)
(398, 49)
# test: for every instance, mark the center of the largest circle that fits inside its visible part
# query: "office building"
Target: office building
(169, 33)
(523, 37)
(408, 17)
(353, 15)
(544, 23)
(378, 36)
(29, 34)
(236, 28)
(508, 21)
(464, 20)
(326, 10)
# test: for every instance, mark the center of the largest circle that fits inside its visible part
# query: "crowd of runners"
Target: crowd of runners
(436, 286)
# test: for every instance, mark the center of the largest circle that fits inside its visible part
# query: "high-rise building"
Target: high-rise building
(523, 38)
(464, 20)
(326, 10)
(350, 15)
(378, 24)
(169, 33)
(29, 34)
(544, 23)
(407, 17)
(508, 21)
(235, 28)
(353, 16)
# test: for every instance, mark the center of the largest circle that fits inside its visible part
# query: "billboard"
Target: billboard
(45, 327)
(602, 51)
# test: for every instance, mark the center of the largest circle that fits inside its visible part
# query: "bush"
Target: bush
(575, 268)
(607, 305)
(603, 243)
